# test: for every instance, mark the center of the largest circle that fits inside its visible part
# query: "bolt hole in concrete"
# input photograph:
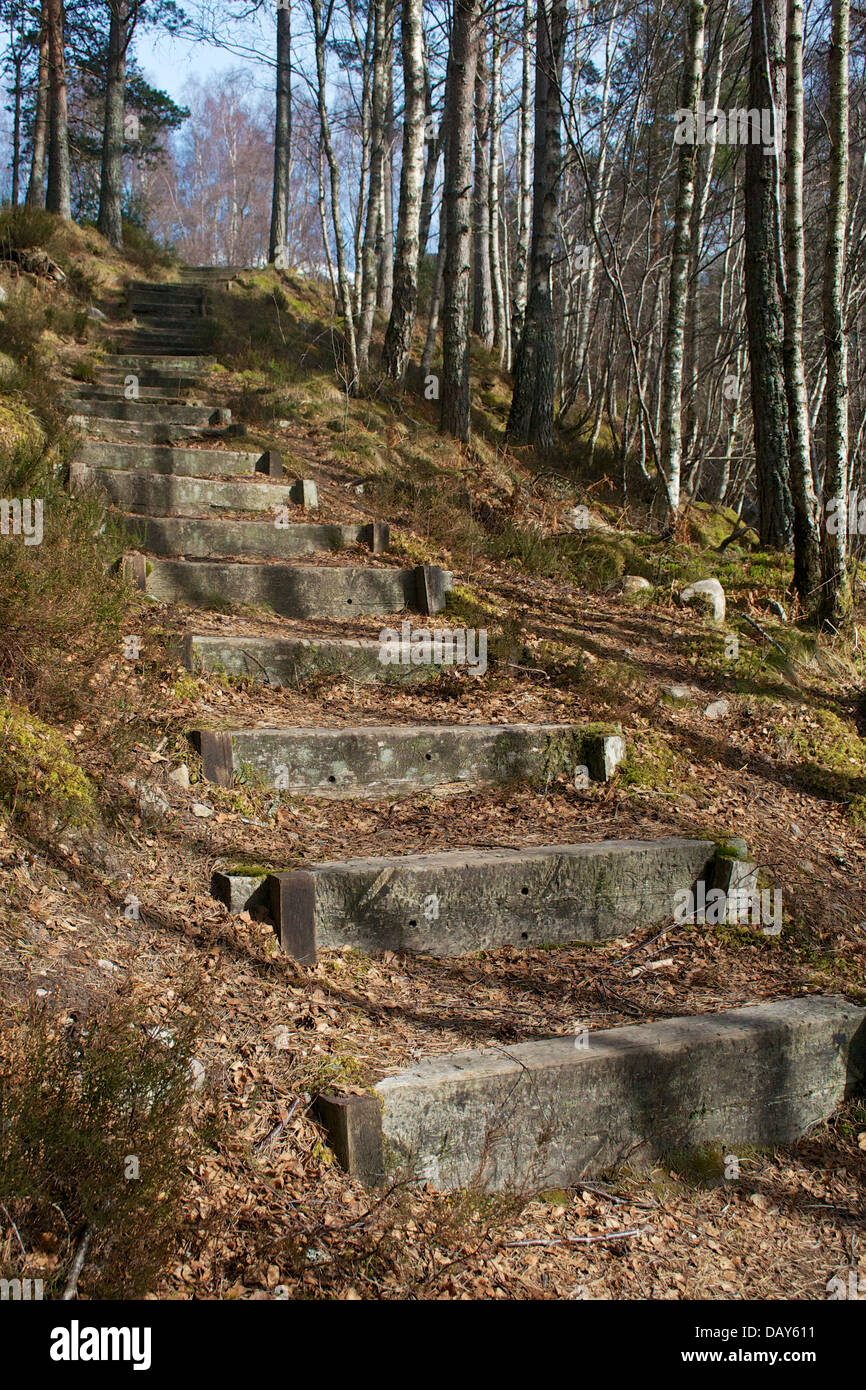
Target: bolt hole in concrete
(525, 892)
(414, 922)
(348, 600)
(524, 936)
(332, 778)
(429, 757)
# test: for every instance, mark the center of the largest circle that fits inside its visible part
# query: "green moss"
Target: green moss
(653, 763)
(38, 772)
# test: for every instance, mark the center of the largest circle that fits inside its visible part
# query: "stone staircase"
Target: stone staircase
(218, 526)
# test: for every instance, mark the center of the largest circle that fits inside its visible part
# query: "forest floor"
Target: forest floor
(264, 1210)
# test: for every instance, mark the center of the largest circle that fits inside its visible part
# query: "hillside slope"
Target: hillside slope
(111, 833)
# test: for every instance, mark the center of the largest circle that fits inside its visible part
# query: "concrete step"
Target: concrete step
(283, 661)
(130, 431)
(210, 272)
(156, 494)
(169, 382)
(292, 591)
(158, 341)
(167, 289)
(167, 320)
(458, 901)
(148, 413)
(549, 1114)
(158, 362)
(160, 458)
(159, 305)
(159, 395)
(204, 538)
(390, 760)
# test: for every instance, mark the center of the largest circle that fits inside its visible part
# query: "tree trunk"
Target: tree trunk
(433, 143)
(500, 312)
(764, 280)
(36, 186)
(385, 288)
(459, 111)
(59, 195)
(110, 220)
(482, 293)
(282, 140)
(524, 175)
(530, 420)
(398, 336)
(807, 550)
(836, 591)
(670, 454)
(370, 253)
(343, 282)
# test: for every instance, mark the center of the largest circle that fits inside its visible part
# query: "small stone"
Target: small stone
(635, 584)
(151, 801)
(196, 1074)
(708, 591)
(680, 693)
(717, 710)
(180, 775)
(93, 313)
(3, 295)
(107, 965)
(199, 809)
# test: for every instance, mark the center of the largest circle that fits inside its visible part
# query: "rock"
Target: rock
(180, 775)
(3, 295)
(151, 801)
(707, 591)
(196, 1074)
(107, 965)
(93, 313)
(635, 584)
(199, 809)
(680, 693)
(717, 710)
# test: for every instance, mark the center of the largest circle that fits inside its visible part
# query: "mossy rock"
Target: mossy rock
(37, 772)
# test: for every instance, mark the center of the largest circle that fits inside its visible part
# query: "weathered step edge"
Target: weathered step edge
(165, 461)
(286, 661)
(379, 760)
(455, 902)
(208, 537)
(291, 590)
(552, 1113)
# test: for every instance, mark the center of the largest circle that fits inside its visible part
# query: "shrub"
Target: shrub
(93, 1145)
(60, 610)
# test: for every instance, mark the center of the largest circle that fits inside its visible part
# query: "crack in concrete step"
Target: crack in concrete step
(548, 1114)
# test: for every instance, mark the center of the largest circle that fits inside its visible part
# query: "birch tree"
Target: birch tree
(670, 456)
(836, 594)
(807, 561)
(457, 212)
(398, 335)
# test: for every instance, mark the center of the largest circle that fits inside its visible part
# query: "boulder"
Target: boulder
(708, 592)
